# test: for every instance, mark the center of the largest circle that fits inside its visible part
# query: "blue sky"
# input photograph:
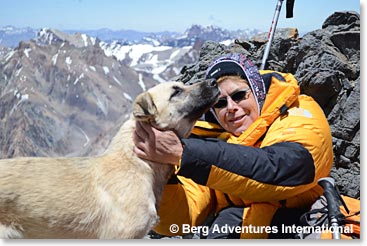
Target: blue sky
(166, 15)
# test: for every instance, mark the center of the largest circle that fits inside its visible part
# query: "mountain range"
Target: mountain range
(65, 94)
(10, 36)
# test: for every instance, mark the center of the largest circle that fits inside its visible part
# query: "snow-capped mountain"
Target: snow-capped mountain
(159, 55)
(61, 95)
(67, 94)
(213, 33)
(163, 63)
(164, 56)
(11, 36)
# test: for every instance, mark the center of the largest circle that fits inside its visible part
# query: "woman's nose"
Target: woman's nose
(231, 105)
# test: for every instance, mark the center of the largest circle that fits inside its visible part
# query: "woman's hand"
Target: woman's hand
(155, 145)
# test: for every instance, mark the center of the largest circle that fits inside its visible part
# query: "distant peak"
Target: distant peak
(48, 36)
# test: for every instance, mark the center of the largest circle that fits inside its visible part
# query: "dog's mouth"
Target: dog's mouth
(191, 108)
(210, 98)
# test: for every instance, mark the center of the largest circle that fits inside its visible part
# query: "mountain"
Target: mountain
(164, 56)
(107, 35)
(162, 63)
(60, 95)
(159, 56)
(199, 34)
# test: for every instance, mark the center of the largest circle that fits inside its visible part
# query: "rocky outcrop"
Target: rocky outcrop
(326, 64)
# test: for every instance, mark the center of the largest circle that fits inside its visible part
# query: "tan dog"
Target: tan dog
(115, 195)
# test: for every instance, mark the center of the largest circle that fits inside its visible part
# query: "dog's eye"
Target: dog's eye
(177, 91)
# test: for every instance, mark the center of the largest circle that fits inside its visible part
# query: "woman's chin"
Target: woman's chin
(237, 131)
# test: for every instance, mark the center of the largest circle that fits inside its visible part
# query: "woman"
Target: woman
(260, 171)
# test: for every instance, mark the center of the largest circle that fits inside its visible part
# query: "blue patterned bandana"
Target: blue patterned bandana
(238, 64)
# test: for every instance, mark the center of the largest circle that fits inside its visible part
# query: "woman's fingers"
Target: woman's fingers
(140, 153)
(155, 145)
(147, 129)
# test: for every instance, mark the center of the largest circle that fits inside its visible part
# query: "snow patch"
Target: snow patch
(158, 78)
(87, 140)
(26, 52)
(116, 80)
(68, 61)
(85, 39)
(77, 79)
(141, 82)
(18, 72)
(139, 50)
(227, 42)
(127, 96)
(9, 55)
(106, 70)
(54, 58)
(21, 97)
(102, 104)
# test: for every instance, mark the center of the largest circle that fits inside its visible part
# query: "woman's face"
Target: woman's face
(239, 112)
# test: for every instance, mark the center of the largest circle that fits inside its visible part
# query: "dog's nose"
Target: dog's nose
(212, 83)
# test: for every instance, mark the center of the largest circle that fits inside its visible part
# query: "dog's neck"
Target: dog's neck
(122, 144)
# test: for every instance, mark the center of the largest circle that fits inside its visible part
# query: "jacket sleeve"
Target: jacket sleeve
(285, 163)
(247, 172)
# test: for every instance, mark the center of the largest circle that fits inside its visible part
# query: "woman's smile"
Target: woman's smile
(237, 119)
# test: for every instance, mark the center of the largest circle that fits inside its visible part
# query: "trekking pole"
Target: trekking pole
(271, 32)
(289, 14)
(336, 218)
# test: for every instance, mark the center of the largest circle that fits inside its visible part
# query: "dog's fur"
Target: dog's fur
(114, 195)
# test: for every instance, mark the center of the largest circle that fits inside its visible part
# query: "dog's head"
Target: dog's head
(175, 106)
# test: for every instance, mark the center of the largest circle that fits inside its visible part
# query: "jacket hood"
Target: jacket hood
(239, 64)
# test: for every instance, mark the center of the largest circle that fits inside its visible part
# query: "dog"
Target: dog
(114, 195)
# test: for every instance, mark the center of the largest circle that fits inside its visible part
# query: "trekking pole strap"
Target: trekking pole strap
(289, 8)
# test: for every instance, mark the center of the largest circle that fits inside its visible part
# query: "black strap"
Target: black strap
(289, 8)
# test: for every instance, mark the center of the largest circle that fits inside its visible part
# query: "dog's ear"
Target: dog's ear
(144, 108)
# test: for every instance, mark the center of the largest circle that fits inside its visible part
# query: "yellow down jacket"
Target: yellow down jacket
(205, 188)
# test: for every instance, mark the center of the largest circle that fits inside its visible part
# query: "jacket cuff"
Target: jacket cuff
(193, 165)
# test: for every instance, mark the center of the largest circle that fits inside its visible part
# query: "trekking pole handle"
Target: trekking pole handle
(334, 214)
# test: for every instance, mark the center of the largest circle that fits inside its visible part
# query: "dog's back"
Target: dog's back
(33, 191)
(110, 196)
